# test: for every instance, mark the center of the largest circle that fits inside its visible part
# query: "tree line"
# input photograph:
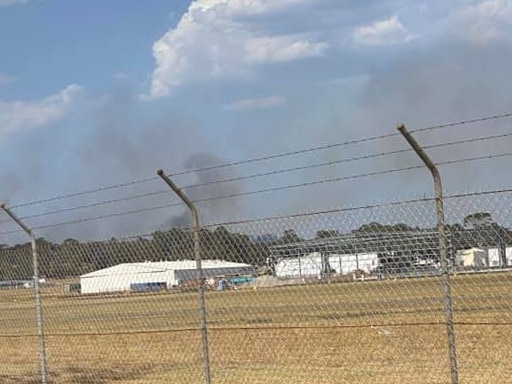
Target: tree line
(72, 258)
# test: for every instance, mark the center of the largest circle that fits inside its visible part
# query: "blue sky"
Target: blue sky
(99, 92)
(48, 45)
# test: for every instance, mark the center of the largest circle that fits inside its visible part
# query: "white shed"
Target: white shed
(346, 264)
(472, 258)
(311, 265)
(495, 259)
(297, 267)
(155, 275)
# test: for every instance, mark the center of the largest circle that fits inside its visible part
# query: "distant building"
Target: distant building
(150, 276)
(474, 258)
(495, 258)
(16, 284)
(316, 265)
(383, 252)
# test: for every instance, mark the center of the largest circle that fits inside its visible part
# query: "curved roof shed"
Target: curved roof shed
(122, 277)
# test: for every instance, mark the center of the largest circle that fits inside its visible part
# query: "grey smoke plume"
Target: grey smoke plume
(208, 187)
(127, 141)
(122, 140)
(443, 83)
(450, 83)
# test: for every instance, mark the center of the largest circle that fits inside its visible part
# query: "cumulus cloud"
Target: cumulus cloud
(19, 115)
(217, 38)
(390, 31)
(261, 103)
(271, 49)
(242, 7)
(482, 22)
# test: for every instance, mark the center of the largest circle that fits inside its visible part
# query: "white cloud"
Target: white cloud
(261, 103)
(482, 22)
(6, 3)
(242, 7)
(282, 48)
(20, 115)
(217, 38)
(6, 79)
(390, 31)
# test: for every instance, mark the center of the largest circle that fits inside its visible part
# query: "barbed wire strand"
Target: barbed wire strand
(306, 214)
(263, 158)
(213, 182)
(464, 122)
(335, 162)
(83, 193)
(166, 191)
(292, 186)
(269, 173)
(351, 142)
(356, 208)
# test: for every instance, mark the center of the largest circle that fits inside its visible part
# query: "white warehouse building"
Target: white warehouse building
(163, 274)
(495, 259)
(311, 265)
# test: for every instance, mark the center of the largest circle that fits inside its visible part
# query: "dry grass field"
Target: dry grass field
(367, 332)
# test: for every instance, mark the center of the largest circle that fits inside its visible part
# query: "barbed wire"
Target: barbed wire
(267, 190)
(356, 208)
(95, 218)
(95, 204)
(348, 160)
(350, 142)
(464, 122)
(269, 173)
(263, 158)
(479, 193)
(485, 157)
(199, 201)
(238, 178)
(83, 193)
(279, 217)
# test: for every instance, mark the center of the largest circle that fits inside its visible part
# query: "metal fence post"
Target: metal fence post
(37, 294)
(442, 249)
(199, 272)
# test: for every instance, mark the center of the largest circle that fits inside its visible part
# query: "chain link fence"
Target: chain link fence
(342, 296)
(19, 359)
(394, 292)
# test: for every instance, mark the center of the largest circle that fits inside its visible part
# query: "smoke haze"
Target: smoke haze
(115, 137)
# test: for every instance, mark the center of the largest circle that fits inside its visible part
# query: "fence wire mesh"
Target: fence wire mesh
(19, 359)
(341, 296)
(347, 295)
(481, 232)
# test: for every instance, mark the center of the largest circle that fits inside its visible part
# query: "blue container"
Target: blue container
(148, 287)
(240, 280)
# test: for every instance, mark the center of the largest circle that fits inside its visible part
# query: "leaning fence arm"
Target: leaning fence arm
(442, 248)
(199, 271)
(37, 293)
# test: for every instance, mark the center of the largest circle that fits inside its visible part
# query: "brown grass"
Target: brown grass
(373, 332)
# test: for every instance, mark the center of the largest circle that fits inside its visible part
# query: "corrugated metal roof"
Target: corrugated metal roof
(161, 266)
